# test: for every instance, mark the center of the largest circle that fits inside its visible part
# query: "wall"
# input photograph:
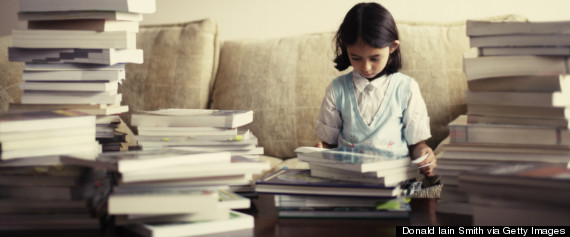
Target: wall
(276, 18)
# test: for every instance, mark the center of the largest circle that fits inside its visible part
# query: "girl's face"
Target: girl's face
(367, 60)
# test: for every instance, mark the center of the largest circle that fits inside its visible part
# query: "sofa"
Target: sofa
(282, 80)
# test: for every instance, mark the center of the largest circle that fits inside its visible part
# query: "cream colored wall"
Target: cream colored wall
(276, 18)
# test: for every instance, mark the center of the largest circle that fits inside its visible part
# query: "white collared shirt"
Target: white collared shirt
(416, 119)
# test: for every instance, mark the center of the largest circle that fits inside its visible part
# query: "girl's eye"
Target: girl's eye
(375, 59)
(355, 59)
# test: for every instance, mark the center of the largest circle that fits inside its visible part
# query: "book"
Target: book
(546, 83)
(388, 179)
(139, 6)
(68, 86)
(148, 160)
(238, 223)
(493, 153)
(71, 97)
(88, 149)
(98, 25)
(46, 142)
(238, 166)
(170, 201)
(192, 118)
(402, 211)
(77, 15)
(46, 134)
(559, 123)
(69, 55)
(520, 40)
(505, 66)
(95, 109)
(353, 159)
(300, 181)
(520, 51)
(530, 99)
(463, 132)
(479, 28)
(518, 111)
(72, 67)
(299, 201)
(186, 131)
(210, 215)
(73, 39)
(74, 75)
(40, 120)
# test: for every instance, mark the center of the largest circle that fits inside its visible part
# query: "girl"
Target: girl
(374, 106)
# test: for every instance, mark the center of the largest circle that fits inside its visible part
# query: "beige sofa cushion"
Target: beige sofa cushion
(283, 81)
(180, 61)
(10, 76)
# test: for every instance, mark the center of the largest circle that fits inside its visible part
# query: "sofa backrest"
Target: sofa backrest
(180, 62)
(283, 81)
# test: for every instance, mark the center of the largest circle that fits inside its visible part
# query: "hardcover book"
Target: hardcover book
(192, 118)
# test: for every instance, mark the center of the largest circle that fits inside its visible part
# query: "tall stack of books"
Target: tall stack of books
(75, 53)
(517, 103)
(341, 183)
(36, 189)
(166, 190)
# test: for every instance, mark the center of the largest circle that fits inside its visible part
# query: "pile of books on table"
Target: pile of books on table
(200, 130)
(159, 192)
(75, 54)
(517, 105)
(341, 183)
(36, 189)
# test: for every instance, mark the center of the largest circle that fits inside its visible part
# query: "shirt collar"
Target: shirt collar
(360, 82)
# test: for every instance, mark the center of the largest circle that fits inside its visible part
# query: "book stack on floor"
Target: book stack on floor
(534, 194)
(517, 103)
(169, 190)
(75, 53)
(201, 130)
(341, 183)
(36, 189)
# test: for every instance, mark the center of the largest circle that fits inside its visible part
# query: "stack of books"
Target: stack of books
(517, 103)
(197, 129)
(173, 190)
(519, 194)
(36, 189)
(200, 130)
(75, 53)
(341, 183)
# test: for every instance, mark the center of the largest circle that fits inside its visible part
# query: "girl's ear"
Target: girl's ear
(394, 46)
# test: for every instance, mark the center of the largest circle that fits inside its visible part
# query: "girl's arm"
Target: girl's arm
(420, 149)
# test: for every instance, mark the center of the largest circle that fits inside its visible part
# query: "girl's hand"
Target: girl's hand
(324, 145)
(426, 166)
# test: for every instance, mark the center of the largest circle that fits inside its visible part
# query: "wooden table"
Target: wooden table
(268, 225)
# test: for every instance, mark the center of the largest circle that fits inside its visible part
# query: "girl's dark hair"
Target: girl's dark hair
(375, 26)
